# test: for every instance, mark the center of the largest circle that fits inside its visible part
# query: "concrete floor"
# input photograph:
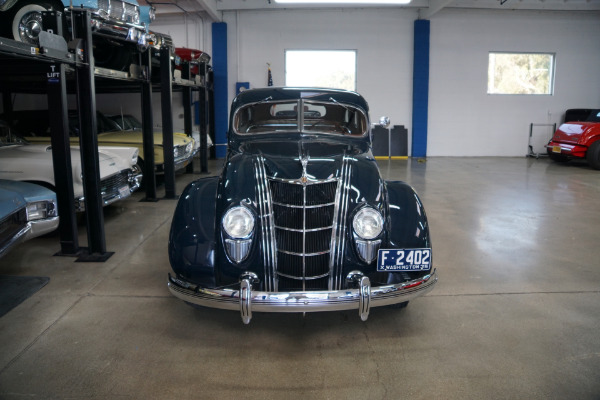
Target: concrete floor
(516, 312)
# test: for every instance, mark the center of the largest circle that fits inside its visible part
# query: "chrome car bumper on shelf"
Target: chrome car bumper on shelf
(246, 300)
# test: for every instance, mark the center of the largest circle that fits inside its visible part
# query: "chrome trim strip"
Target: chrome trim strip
(336, 300)
(314, 206)
(301, 278)
(291, 253)
(302, 230)
(338, 234)
(265, 207)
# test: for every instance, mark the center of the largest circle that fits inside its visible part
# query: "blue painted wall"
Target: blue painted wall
(219, 64)
(420, 88)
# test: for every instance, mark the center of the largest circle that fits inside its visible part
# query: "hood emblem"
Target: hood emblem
(304, 162)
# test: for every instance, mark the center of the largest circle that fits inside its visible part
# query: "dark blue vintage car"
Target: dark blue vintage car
(300, 219)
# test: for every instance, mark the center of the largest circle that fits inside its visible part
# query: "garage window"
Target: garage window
(321, 68)
(520, 73)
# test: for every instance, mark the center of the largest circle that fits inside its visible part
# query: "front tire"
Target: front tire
(593, 155)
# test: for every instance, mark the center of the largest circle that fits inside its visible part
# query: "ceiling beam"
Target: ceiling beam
(210, 7)
(434, 7)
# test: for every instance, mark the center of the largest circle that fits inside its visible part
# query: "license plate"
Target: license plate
(124, 191)
(389, 260)
(556, 149)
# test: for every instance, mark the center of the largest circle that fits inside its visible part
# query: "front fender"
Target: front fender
(407, 218)
(192, 237)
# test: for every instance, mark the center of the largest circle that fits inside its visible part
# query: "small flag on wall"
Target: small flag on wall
(269, 76)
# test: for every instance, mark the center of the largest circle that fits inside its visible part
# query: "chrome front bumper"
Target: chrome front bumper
(132, 180)
(246, 300)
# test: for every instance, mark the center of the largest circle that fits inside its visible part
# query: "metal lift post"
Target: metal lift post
(186, 98)
(166, 100)
(86, 100)
(148, 130)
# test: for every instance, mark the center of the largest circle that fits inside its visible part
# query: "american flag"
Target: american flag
(269, 76)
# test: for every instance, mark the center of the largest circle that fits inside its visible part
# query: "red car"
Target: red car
(580, 139)
(193, 56)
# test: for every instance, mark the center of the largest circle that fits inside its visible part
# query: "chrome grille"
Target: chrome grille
(303, 215)
(109, 187)
(11, 225)
(120, 11)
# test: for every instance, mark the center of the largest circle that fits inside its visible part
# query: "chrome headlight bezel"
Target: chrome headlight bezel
(368, 223)
(238, 228)
(238, 223)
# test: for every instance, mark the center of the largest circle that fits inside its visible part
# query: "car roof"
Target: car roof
(290, 93)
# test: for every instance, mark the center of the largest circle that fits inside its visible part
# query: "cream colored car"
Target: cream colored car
(22, 161)
(34, 126)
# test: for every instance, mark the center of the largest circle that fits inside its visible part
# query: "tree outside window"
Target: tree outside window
(520, 73)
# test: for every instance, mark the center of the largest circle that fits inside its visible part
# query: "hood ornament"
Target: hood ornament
(304, 162)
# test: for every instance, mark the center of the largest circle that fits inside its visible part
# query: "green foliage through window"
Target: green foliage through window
(520, 73)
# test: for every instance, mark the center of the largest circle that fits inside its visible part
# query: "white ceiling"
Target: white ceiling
(427, 8)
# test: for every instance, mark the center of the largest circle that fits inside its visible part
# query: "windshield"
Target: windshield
(318, 117)
(594, 116)
(127, 122)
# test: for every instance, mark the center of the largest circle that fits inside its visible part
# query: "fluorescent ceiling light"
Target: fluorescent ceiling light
(343, 1)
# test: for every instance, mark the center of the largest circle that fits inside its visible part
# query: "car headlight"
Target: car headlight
(238, 222)
(40, 210)
(134, 157)
(368, 223)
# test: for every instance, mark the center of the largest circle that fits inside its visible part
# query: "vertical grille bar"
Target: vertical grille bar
(267, 226)
(303, 236)
(338, 236)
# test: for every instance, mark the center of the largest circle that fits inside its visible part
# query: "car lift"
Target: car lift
(51, 64)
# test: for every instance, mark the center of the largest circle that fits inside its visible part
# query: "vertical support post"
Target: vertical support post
(148, 130)
(205, 120)
(219, 35)
(88, 139)
(166, 101)
(61, 145)
(186, 99)
(61, 160)
(420, 87)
